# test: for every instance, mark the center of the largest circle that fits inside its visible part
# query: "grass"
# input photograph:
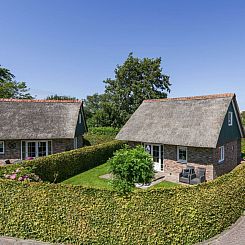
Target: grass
(163, 184)
(91, 178)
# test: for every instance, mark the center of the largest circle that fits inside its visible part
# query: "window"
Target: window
(1, 147)
(182, 154)
(221, 154)
(80, 118)
(32, 149)
(230, 118)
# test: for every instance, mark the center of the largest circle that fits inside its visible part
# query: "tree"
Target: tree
(9, 88)
(243, 117)
(98, 110)
(60, 97)
(135, 80)
(130, 166)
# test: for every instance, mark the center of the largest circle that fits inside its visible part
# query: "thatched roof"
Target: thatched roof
(192, 121)
(38, 119)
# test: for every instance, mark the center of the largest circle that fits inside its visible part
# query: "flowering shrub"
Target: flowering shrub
(130, 166)
(20, 174)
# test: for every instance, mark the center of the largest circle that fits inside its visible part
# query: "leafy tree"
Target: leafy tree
(60, 97)
(130, 166)
(135, 80)
(98, 110)
(243, 117)
(9, 88)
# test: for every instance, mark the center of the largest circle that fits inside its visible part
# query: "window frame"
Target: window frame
(24, 148)
(230, 118)
(2, 152)
(221, 154)
(182, 148)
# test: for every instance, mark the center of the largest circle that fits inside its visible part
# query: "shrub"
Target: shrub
(99, 135)
(20, 173)
(104, 131)
(130, 166)
(77, 215)
(61, 166)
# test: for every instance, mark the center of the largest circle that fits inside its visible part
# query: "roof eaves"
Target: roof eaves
(205, 97)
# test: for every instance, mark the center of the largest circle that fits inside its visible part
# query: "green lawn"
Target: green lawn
(163, 184)
(91, 178)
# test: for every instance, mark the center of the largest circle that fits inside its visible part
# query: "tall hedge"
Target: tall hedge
(61, 166)
(75, 215)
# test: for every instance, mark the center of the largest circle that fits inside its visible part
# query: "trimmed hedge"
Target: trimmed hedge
(104, 131)
(73, 214)
(61, 166)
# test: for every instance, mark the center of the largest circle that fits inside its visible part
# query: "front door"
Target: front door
(157, 155)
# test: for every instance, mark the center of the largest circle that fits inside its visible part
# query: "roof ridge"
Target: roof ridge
(201, 97)
(40, 100)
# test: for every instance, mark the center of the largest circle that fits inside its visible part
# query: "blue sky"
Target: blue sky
(70, 47)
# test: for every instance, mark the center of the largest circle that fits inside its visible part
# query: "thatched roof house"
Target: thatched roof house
(195, 130)
(31, 128)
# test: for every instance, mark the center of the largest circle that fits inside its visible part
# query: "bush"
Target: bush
(94, 139)
(61, 166)
(76, 215)
(130, 166)
(99, 135)
(104, 131)
(18, 172)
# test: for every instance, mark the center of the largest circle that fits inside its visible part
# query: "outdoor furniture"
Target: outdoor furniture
(186, 174)
(199, 177)
(7, 162)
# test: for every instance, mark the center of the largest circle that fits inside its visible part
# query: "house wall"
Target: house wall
(196, 157)
(58, 145)
(12, 149)
(202, 157)
(232, 158)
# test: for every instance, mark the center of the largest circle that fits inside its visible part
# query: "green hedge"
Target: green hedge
(61, 166)
(104, 131)
(76, 215)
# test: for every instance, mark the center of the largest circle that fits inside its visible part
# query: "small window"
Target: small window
(182, 154)
(80, 118)
(1, 147)
(230, 118)
(221, 154)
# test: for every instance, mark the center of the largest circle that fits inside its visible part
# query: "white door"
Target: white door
(157, 155)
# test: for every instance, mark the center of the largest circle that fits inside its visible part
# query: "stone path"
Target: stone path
(15, 241)
(235, 235)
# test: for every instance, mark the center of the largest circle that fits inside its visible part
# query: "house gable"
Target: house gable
(81, 126)
(233, 132)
